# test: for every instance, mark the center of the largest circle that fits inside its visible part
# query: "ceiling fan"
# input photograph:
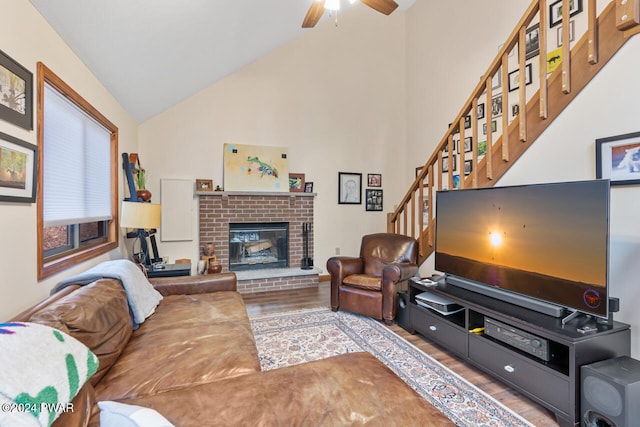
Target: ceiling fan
(317, 9)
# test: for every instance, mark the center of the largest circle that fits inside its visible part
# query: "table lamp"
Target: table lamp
(143, 217)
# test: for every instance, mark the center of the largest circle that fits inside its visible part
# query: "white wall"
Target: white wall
(334, 97)
(27, 38)
(450, 45)
(436, 90)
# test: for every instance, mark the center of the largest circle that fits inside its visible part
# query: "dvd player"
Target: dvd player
(517, 338)
(436, 302)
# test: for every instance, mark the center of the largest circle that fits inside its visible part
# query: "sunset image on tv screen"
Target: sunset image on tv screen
(548, 241)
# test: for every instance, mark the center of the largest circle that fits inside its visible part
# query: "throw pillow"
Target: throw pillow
(41, 371)
(115, 414)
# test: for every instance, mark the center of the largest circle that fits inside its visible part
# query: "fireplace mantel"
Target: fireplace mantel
(254, 193)
(219, 208)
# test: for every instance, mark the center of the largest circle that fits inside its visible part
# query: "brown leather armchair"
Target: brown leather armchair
(368, 284)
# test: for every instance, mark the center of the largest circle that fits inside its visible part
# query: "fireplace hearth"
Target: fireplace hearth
(255, 246)
(219, 209)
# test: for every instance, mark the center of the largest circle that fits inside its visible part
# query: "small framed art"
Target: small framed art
(468, 167)
(572, 33)
(514, 78)
(374, 180)
(496, 106)
(515, 109)
(494, 127)
(496, 81)
(296, 182)
(18, 166)
(446, 164)
(374, 200)
(349, 188)
(308, 187)
(532, 41)
(555, 11)
(480, 111)
(204, 185)
(16, 93)
(468, 142)
(618, 159)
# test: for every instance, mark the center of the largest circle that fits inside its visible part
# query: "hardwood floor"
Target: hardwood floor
(272, 302)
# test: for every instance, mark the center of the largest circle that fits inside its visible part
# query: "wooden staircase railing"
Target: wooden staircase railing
(605, 35)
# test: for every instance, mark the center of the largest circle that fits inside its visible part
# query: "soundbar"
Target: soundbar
(506, 296)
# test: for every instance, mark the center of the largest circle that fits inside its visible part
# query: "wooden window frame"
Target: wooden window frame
(48, 267)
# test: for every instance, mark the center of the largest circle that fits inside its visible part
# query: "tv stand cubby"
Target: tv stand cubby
(554, 384)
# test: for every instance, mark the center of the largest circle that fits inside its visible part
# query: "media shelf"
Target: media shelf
(553, 383)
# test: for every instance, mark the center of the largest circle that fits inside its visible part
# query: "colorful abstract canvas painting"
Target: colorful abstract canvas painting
(255, 168)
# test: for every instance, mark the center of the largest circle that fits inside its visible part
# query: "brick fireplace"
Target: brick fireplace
(219, 209)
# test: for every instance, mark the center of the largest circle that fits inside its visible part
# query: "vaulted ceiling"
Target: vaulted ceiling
(152, 54)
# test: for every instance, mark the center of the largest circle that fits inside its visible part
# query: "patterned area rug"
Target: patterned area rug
(285, 339)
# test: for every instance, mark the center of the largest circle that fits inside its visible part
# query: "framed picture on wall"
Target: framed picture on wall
(468, 167)
(446, 164)
(532, 41)
(480, 111)
(496, 81)
(514, 78)
(349, 188)
(204, 185)
(515, 109)
(374, 180)
(16, 93)
(18, 160)
(468, 141)
(555, 11)
(618, 159)
(374, 200)
(572, 33)
(496, 106)
(494, 127)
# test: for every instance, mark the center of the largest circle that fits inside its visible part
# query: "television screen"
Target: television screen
(546, 241)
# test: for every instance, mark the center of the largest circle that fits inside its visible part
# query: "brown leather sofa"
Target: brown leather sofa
(368, 284)
(195, 361)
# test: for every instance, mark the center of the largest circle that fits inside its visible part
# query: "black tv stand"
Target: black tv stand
(553, 383)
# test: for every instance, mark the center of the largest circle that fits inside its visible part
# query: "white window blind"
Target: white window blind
(76, 155)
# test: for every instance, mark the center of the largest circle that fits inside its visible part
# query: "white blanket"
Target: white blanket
(141, 295)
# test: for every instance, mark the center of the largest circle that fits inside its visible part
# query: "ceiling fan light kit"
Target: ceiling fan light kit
(318, 7)
(332, 5)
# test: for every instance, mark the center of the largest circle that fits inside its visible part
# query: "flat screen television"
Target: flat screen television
(545, 243)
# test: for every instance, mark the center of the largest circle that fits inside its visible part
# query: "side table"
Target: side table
(169, 270)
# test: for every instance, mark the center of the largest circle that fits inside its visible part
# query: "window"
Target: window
(77, 178)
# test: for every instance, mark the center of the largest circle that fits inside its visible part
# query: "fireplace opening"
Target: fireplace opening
(254, 246)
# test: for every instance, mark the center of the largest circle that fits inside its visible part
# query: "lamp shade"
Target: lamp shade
(140, 215)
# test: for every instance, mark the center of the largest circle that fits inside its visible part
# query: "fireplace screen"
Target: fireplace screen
(254, 246)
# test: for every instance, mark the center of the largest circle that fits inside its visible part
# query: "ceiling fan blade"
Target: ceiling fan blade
(313, 14)
(382, 6)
